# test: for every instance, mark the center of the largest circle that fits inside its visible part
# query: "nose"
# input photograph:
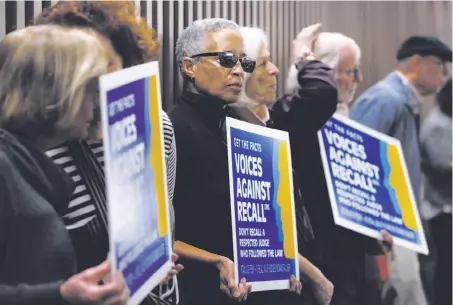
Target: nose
(237, 70)
(273, 70)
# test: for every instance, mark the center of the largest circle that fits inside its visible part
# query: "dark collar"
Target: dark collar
(49, 180)
(211, 110)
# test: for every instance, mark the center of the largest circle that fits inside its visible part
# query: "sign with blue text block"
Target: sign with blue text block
(369, 184)
(262, 205)
(139, 222)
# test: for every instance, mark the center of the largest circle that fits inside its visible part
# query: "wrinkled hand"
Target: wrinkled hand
(83, 288)
(387, 241)
(228, 285)
(304, 40)
(173, 271)
(323, 291)
(295, 285)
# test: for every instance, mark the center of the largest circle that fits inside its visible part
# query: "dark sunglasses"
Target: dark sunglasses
(229, 60)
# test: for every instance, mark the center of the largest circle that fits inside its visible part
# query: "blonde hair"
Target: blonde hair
(44, 74)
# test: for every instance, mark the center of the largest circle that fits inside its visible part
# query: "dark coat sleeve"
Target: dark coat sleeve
(312, 105)
(21, 294)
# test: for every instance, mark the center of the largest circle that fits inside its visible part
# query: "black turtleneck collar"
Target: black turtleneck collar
(212, 110)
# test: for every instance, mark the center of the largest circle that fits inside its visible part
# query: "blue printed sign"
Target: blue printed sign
(139, 226)
(368, 183)
(262, 205)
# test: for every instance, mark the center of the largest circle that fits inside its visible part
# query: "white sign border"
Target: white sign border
(272, 133)
(108, 82)
(423, 247)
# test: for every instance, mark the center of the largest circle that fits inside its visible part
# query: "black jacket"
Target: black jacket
(36, 252)
(202, 198)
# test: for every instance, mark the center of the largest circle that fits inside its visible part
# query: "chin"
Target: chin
(231, 98)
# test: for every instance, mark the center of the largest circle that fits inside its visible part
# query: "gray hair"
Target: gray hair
(327, 49)
(254, 39)
(192, 39)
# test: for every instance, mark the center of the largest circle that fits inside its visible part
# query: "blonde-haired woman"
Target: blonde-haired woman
(48, 90)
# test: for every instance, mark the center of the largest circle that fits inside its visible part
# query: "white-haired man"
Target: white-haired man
(343, 251)
(342, 54)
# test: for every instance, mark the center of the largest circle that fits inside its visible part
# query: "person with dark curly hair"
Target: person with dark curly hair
(86, 215)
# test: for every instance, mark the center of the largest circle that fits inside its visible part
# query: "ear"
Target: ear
(189, 67)
(415, 67)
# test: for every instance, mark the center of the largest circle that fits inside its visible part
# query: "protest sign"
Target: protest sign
(139, 225)
(368, 183)
(262, 205)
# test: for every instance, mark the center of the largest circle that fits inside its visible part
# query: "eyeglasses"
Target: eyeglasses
(355, 71)
(229, 60)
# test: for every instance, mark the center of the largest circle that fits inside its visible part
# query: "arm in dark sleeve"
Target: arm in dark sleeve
(314, 103)
(21, 294)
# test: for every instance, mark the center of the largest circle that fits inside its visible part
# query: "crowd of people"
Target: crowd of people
(54, 239)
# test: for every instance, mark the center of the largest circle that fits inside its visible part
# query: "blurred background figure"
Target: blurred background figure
(436, 151)
(48, 90)
(392, 106)
(344, 252)
(342, 54)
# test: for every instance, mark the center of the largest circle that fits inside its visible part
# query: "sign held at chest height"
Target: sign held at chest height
(262, 205)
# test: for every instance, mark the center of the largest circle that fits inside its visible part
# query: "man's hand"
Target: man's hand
(387, 241)
(175, 269)
(295, 285)
(323, 291)
(228, 284)
(304, 40)
(84, 288)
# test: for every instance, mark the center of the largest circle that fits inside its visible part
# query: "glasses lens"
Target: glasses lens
(228, 60)
(248, 65)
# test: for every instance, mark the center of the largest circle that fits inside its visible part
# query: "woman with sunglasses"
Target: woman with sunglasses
(210, 55)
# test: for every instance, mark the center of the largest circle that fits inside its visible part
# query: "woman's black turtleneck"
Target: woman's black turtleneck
(202, 196)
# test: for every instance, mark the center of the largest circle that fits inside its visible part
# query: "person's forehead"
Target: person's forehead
(225, 40)
(348, 57)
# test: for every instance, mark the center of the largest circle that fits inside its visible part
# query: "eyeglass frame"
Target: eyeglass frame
(219, 54)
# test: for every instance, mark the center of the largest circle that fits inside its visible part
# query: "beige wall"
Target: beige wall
(377, 26)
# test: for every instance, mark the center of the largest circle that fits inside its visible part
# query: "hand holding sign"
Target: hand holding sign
(84, 288)
(228, 284)
(295, 285)
(175, 269)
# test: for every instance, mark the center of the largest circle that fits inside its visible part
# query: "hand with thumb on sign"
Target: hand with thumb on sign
(84, 288)
(238, 292)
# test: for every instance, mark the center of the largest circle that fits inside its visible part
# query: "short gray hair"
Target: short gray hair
(328, 47)
(192, 39)
(254, 39)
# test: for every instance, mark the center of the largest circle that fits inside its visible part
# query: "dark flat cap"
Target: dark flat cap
(424, 46)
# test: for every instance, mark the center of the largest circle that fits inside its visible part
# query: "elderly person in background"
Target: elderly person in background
(392, 107)
(436, 152)
(47, 94)
(210, 55)
(259, 93)
(343, 251)
(342, 54)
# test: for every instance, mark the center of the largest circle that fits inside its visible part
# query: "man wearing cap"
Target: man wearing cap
(392, 106)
